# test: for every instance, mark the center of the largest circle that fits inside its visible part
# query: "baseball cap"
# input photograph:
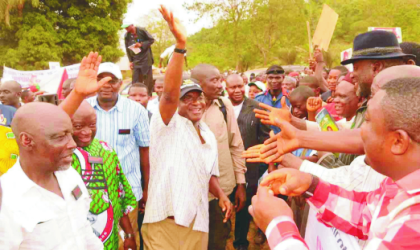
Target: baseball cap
(126, 24)
(109, 67)
(186, 88)
(258, 84)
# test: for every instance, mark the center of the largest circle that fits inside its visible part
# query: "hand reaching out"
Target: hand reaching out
(177, 29)
(86, 82)
(253, 154)
(269, 117)
(287, 181)
(313, 104)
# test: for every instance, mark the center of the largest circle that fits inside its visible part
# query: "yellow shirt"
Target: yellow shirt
(9, 150)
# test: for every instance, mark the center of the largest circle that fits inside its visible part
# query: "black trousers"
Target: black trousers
(147, 79)
(218, 231)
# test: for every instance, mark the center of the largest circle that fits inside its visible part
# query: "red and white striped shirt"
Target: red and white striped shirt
(389, 217)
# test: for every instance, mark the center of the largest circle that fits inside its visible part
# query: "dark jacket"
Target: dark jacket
(253, 132)
(144, 59)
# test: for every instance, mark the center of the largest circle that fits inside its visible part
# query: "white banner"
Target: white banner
(320, 237)
(48, 80)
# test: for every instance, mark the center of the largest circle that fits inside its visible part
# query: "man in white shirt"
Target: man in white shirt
(184, 163)
(47, 201)
(167, 54)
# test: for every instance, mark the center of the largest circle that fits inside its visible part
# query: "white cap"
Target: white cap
(259, 85)
(109, 67)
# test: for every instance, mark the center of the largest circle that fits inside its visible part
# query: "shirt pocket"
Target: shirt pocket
(46, 235)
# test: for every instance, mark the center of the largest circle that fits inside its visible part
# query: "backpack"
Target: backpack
(223, 109)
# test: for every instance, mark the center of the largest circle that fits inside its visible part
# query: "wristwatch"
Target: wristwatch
(181, 51)
(311, 190)
(126, 236)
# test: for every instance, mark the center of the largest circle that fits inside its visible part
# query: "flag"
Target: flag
(64, 77)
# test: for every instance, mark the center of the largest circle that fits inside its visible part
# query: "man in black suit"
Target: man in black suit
(253, 132)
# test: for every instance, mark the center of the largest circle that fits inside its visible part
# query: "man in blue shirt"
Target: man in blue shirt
(6, 114)
(272, 96)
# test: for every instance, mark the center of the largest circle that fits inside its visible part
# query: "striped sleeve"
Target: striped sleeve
(282, 233)
(141, 129)
(343, 209)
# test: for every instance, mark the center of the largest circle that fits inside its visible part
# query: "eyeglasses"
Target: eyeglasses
(190, 99)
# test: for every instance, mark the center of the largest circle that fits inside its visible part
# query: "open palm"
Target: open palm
(177, 29)
(269, 117)
(86, 83)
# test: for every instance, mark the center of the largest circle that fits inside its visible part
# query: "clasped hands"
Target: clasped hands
(276, 146)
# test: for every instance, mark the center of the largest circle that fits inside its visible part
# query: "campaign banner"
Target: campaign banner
(395, 30)
(47, 80)
(320, 237)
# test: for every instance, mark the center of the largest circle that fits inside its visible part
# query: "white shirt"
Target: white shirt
(168, 53)
(153, 105)
(237, 109)
(180, 171)
(125, 128)
(35, 218)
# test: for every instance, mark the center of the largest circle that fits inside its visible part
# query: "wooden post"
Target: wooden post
(309, 38)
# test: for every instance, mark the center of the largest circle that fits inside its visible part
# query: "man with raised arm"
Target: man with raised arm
(184, 162)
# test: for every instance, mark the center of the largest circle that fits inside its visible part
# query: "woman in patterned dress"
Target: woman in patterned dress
(98, 164)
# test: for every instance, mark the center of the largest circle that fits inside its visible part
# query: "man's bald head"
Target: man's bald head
(233, 79)
(43, 134)
(85, 109)
(210, 80)
(202, 71)
(10, 92)
(395, 72)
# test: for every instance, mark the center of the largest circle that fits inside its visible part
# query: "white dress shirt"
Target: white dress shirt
(180, 171)
(153, 105)
(125, 128)
(35, 218)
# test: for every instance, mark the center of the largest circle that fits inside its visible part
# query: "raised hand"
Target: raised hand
(177, 29)
(284, 142)
(313, 104)
(318, 56)
(86, 83)
(287, 181)
(269, 117)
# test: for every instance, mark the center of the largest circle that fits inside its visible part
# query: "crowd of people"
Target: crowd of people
(296, 152)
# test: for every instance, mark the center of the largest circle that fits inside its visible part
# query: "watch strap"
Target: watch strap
(181, 51)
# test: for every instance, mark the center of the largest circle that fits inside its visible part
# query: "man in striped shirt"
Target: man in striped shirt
(387, 217)
(124, 125)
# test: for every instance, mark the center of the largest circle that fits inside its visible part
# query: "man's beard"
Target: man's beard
(64, 167)
(364, 90)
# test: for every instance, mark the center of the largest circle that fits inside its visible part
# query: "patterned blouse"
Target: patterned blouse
(111, 194)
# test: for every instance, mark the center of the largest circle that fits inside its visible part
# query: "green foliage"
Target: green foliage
(257, 33)
(63, 31)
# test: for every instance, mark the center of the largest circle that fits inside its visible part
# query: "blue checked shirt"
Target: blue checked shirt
(125, 128)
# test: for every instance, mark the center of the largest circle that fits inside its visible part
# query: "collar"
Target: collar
(25, 184)
(409, 182)
(118, 105)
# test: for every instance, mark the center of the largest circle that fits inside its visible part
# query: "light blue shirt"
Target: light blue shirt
(125, 128)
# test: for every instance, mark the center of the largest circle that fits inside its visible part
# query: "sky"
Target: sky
(139, 8)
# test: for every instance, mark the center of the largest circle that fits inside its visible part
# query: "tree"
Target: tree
(7, 5)
(63, 31)
(159, 29)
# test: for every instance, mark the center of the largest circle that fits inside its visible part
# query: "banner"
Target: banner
(325, 28)
(320, 237)
(395, 30)
(48, 80)
(347, 54)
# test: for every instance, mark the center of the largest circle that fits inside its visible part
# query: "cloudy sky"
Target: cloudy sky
(139, 8)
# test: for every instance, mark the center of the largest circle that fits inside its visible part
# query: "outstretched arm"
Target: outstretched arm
(168, 103)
